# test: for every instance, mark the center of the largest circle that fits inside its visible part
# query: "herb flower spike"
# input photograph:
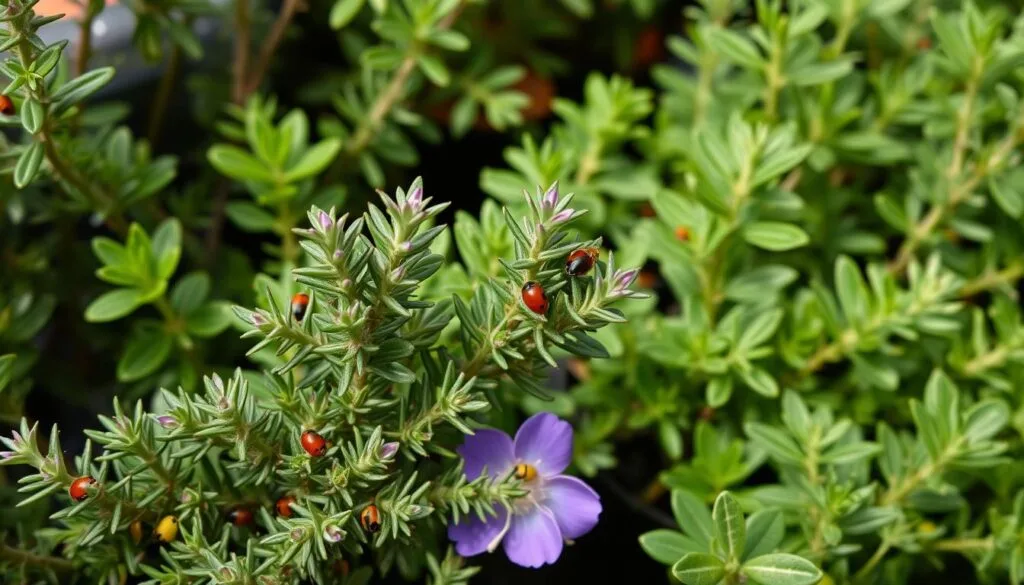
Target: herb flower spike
(555, 508)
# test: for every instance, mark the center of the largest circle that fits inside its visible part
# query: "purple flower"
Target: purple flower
(556, 508)
(6, 454)
(325, 221)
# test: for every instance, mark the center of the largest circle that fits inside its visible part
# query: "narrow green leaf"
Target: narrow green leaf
(314, 160)
(667, 546)
(730, 530)
(147, 349)
(343, 12)
(775, 236)
(27, 167)
(699, 569)
(781, 569)
(113, 305)
(32, 116)
(692, 516)
(765, 531)
(237, 164)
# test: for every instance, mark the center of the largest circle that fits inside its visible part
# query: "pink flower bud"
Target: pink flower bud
(388, 450)
(551, 196)
(405, 246)
(415, 199)
(7, 454)
(562, 216)
(298, 533)
(167, 421)
(257, 319)
(346, 284)
(325, 220)
(337, 254)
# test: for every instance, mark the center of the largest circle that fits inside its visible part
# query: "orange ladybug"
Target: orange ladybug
(314, 443)
(581, 261)
(241, 516)
(535, 297)
(6, 106)
(77, 491)
(682, 234)
(300, 302)
(370, 519)
(284, 506)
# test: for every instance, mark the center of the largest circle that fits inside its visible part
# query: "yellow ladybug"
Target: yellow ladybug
(167, 529)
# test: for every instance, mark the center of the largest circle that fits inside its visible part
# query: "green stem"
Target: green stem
(876, 558)
(990, 280)
(371, 124)
(163, 94)
(964, 544)
(18, 556)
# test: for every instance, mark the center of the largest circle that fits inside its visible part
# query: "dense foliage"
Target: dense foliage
(825, 196)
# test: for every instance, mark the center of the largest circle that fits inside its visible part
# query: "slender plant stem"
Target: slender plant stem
(240, 66)
(163, 95)
(369, 125)
(876, 558)
(270, 44)
(964, 544)
(990, 280)
(19, 556)
(84, 41)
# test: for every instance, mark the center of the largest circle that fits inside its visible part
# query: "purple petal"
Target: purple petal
(561, 216)
(489, 447)
(545, 441)
(574, 504)
(473, 536)
(551, 195)
(533, 539)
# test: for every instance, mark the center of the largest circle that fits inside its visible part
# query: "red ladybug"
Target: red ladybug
(284, 506)
(535, 298)
(682, 234)
(370, 519)
(77, 489)
(314, 444)
(240, 516)
(6, 106)
(300, 302)
(581, 261)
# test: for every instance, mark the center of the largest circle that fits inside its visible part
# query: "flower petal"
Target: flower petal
(574, 504)
(472, 535)
(489, 447)
(533, 539)
(545, 441)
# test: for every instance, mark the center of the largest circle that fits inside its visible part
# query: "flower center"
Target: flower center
(526, 472)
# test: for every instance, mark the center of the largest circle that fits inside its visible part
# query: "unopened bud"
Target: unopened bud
(167, 421)
(388, 450)
(551, 196)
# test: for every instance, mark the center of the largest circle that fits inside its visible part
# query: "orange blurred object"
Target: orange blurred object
(65, 7)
